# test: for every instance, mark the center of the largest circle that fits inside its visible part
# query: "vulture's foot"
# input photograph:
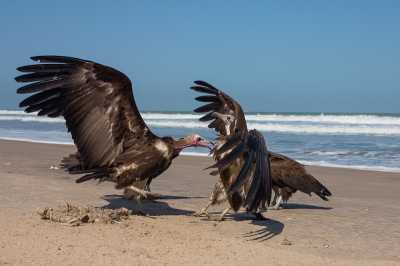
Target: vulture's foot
(146, 194)
(202, 211)
(221, 216)
(217, 219)
(199, 213)
(140, 207)
(277, 205)
(152, 195)
(259, 216)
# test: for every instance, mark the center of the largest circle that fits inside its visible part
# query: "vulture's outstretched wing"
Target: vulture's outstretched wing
(288, 172)
(96, 101)
(252, 142)
(220, 103)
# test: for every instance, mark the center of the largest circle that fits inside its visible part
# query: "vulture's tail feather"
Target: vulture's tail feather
(73, 164)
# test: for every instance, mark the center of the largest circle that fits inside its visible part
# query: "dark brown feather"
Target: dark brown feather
(288, 173)
(99, 108)
(224, 105)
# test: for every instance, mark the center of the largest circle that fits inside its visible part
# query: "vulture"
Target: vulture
(113, 141)
(241, 155)
(287, 175)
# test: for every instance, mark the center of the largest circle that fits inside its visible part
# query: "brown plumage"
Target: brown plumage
(288, 176)
(113, 141)
(241, 155)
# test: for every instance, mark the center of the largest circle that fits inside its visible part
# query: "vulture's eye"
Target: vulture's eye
(228, 117)
(198, 139)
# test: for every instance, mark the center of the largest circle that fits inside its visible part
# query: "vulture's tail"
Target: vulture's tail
(73, 164)
(321, 191)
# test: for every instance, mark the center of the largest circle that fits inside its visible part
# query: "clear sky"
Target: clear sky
(271, 56)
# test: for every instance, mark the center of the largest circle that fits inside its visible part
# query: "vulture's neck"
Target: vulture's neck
(183, 143)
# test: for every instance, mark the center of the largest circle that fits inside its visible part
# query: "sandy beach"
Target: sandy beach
(360, 224)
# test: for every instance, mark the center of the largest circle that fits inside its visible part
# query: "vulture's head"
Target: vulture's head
(193, 140)
(227, 119)
(199, 141)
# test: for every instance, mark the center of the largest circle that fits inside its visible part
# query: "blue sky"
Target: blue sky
(271, 56)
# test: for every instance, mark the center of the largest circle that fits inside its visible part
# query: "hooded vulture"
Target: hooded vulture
(241, 155)
(113, 142)
(287, 175)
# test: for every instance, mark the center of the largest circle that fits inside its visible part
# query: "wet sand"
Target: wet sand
(361, 223)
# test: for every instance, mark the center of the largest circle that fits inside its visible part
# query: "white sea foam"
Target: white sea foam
(170, 116)
(340, 119)
(358, 167)
(10, 112)
(327, 129)
(341, 129)
(178, 124)
(28, 118)
(330, 153)
(322, 118)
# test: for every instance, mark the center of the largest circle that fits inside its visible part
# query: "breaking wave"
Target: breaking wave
(357, 167)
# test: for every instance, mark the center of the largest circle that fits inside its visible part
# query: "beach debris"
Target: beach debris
(286, 242)
(74, 215)
(54, 167)
(7, 163)
(326, 245)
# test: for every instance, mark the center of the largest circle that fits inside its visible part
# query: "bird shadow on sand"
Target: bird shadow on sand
(156, 207)
(291, 206)
(268, 228)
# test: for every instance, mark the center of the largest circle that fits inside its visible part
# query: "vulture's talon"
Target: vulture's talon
(199, 213)
(217, 219)
(275, 208)
(260, 216)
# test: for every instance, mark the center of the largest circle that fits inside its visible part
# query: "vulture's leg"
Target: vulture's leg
(276, 206)
(221, 216)
(203, 211)
(140, 205)
(145, 194)
(147, 188)
(274, 200)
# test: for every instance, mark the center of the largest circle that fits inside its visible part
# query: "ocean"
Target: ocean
(358, 141)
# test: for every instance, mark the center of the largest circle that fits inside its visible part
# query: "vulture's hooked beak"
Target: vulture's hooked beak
(204, 145)
(218, 115)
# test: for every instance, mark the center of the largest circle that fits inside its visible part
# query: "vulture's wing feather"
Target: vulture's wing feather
(220, 103)
(245, 172)
(288, 172)
(259, 191)
(233, 142)
(97, 103)
(230, 158)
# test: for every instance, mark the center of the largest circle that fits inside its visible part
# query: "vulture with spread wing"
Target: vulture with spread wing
(241, 155)
(287, 175)
(113, 142)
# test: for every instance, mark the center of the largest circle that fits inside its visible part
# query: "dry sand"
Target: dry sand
(360, 224)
